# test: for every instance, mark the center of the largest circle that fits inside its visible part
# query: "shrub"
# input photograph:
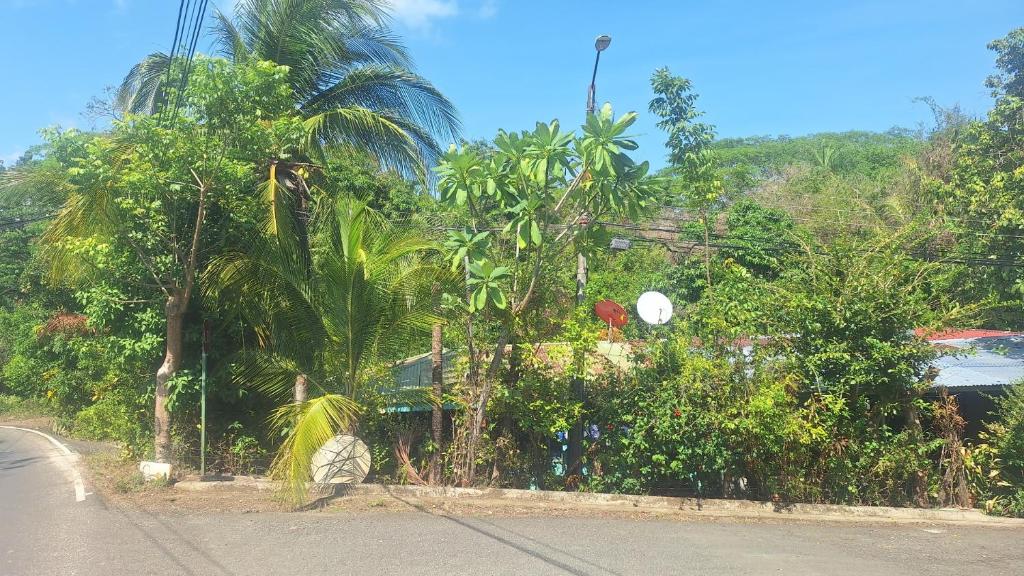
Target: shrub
(1002, 453)
(116, 416)
(18, 407)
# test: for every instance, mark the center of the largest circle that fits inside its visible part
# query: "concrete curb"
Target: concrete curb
(626, 502)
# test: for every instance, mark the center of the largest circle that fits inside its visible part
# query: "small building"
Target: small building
(416, 374)
(976, 366)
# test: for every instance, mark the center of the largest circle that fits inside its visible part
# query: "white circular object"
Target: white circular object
(343, 459)
(654, 308)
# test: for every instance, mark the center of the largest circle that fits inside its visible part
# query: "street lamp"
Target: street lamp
(600, 44)
(575, 454)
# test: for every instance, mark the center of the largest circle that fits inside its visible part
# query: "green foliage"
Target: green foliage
(760, 239)
(535, 181)
(17, 407)
(1001, 455)
(691, 155)
(356, 300)
(540, 402)
(984, 196)
(485, 285)
(1010, 62)
(875, 156)
(119, 415)
(694, 420)
(851, 311)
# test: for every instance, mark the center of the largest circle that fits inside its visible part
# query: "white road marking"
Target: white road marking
(69, 463)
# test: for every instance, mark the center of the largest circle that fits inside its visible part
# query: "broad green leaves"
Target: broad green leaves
(546, 188)
(604, 141)
(465, 245)
(486, 285)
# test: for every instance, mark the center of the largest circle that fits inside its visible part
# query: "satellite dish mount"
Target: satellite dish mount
(654, 308)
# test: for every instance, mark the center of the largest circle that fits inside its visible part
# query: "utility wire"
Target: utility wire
(787, 247)
(193, 38)
(21, 222)
(182, 10)
(186, 39)
(787, 208)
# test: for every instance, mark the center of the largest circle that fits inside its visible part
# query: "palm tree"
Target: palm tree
(352, 79)
(362, 297)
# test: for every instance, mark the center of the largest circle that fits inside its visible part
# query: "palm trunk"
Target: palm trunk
(301, 391)
(175, 311)
(437, 383)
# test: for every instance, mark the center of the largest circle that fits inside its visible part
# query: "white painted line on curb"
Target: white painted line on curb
(69, 465)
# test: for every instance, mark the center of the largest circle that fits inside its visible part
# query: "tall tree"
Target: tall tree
(984, 195)
(691, 157)
(140, 199)
(543, 192)
(351, 79)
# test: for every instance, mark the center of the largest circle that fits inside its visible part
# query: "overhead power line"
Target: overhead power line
(787, 247)
(21, 222)
(186, 39)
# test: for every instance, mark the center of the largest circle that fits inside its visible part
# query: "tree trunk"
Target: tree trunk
(437, 384)
(480, 410)
(707, 248)
(913, 422)
(301, 391)
(581, 278)
(175, 312)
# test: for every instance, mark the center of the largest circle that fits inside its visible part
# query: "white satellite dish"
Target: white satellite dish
(654, 308)
(343, 459)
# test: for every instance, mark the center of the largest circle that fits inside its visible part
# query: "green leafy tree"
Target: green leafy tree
(148, 203)
(1009, 81)
(758, 238)
(691, 156)
(984, 195)
(538, 194)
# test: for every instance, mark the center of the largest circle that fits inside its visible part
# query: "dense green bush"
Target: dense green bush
(120, 416)
(16, 407)
(1002, 455)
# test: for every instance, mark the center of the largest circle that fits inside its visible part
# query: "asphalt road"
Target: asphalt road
(45, 530)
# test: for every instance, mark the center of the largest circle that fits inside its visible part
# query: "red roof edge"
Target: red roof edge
(965, 334)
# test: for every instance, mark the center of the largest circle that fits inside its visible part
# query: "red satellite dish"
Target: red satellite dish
(611, 313)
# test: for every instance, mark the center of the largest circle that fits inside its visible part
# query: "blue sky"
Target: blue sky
(781, 67)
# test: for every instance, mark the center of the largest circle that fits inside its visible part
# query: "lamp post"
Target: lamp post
(601, 43)
(578, 385)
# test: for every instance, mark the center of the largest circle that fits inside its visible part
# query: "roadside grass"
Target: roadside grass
(18, 408)
(118, 474)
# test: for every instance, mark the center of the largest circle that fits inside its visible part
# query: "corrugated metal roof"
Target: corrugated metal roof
(990, 360)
